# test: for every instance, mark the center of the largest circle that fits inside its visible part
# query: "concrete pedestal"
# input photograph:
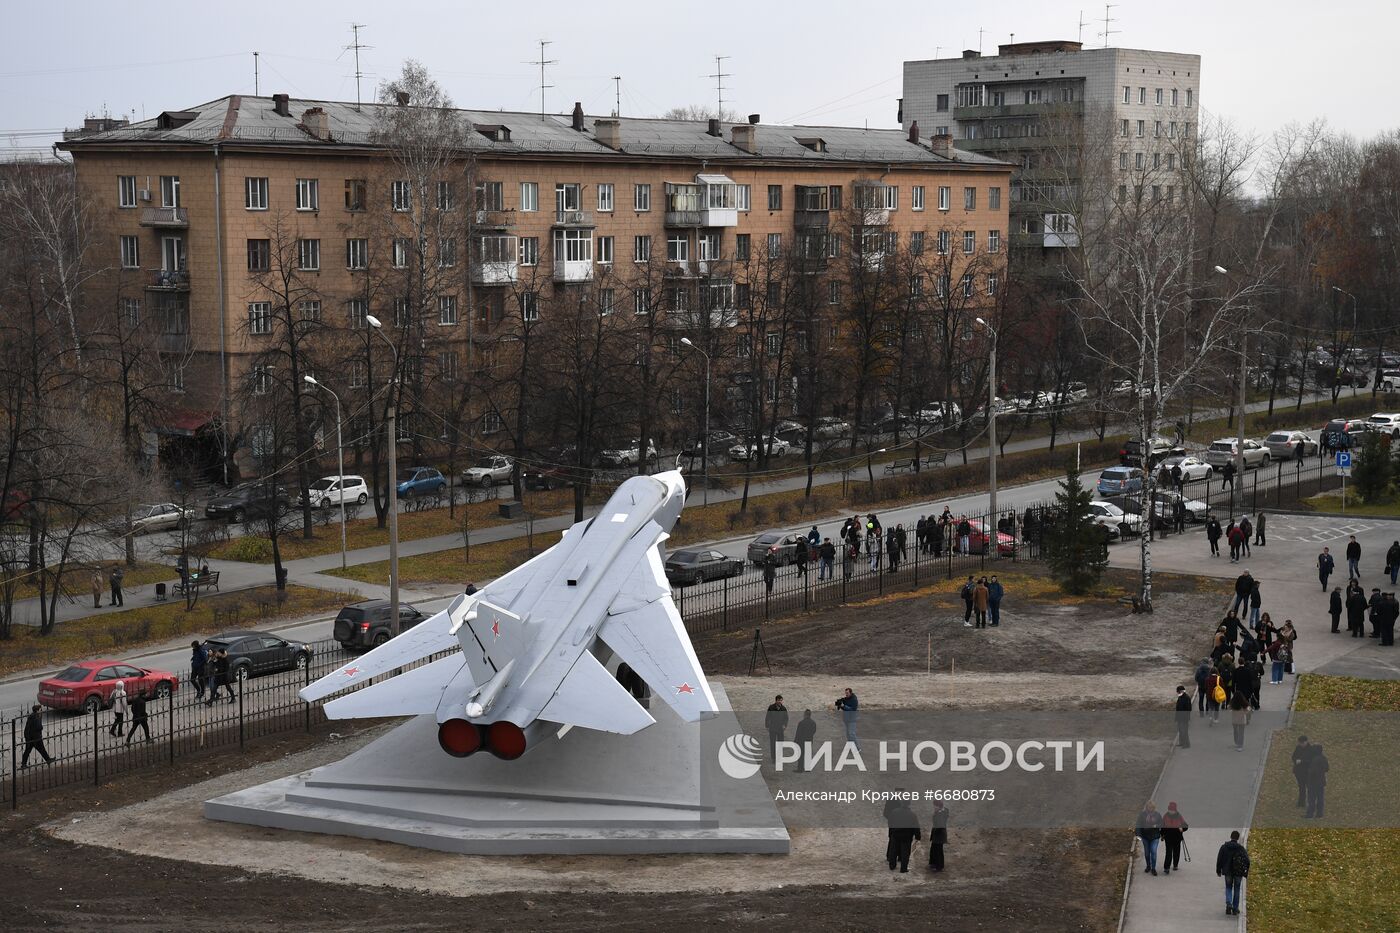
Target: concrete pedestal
(659, 791)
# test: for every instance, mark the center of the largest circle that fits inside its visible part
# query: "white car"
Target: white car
(1385, 423)
(1193, 469)
(627, 456)
(1111, 516)
(832, 428)
(1224, 450)
(160, 517)
(489, 471)
(745, 451)
(1389, 382)
(333, 490)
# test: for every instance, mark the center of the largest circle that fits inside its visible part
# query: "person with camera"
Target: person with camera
(849, 706)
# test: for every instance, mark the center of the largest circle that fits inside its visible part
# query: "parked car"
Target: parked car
(547, 476)
(1343, 433)
(489, 471)
(1389, 381)
(253, 654)
(1224, 450)
(1074, 392)
(333, 490)
(696, 565)
(777, 447)
(1285, 445)
(1107, 513)
(366, 625)
(250, 500)
(1159, 449)
(980, 541)
(1327, 376)
(1118, 480)
(163, 516)
(87, 685)
(1165, 504)
(629, 455)
(829, 428)
(420, 481)
(781, 544)
(790, 431)
(1193, 469)
(720, 441)
(1385, 423)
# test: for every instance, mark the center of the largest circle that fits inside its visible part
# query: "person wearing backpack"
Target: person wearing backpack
(1215, 695)
(1173, 834)
(1232, 864)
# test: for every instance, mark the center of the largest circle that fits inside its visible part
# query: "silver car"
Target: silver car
(1224, 450)
(781, 544)
(160, 517)
(1285, 445)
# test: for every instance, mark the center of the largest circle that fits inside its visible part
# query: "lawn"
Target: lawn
(1318, 878)
(119, 632)
(1332, 502)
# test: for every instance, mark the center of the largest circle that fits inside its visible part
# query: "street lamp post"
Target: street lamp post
(1337, 369)
(340, 459)
(705, 441)
(392, 427)
(991, 424)
(1238, 483)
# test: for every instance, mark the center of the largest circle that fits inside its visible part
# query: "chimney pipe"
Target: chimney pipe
(281, 105)
(317, 123)
(942, 144)
(714, 129)
(742, 136)
(578, 117)
(914, 132)
(402, 97)
(608, 131)
(753, 119)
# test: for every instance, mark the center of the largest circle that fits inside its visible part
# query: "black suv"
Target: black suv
(366, 625)
(1159, 449)
(252, 654)
(251, 500)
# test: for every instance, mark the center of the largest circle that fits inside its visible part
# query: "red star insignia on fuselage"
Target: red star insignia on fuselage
(685, 688)
(350, 671)
(496, 628)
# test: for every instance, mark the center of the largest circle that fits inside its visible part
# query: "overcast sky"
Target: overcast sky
(1265, 62)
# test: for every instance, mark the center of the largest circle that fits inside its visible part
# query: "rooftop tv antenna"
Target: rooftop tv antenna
(1081, 27)
(980, 30)
(255, 74)
(617, 95)
(542, 62)
(1107, 7)
(719, 76)
(355, 46)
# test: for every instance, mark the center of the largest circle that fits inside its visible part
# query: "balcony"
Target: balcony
(503, 272)
(874, 217)
(178, 344)
(163, 281)
(684, 218)
(811, 218)
(177, 218)
(495, 219)
(573, 270)
(1073, 108)
(573, 219)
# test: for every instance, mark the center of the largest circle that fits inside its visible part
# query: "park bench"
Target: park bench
(906, 464)
(199, 581)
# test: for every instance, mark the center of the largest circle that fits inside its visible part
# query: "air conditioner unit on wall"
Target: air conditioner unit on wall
(145, 194)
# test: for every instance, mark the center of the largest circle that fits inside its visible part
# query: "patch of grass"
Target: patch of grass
(1319, 693)
(1354, 505)
(488, 561)
(121, 631)
(1306, 880)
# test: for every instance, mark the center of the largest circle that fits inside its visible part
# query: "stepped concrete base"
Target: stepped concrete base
(659, 791)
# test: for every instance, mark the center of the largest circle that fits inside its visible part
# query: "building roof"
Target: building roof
(254, 121)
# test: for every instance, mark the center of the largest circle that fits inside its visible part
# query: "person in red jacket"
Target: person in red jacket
(1173, 831)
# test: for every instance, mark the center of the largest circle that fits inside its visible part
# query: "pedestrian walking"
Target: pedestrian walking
(1173, 835)
(119, 708)
(138, 717)
(34, 735)
(849, 705)
(1244, 584)
(1239, 717)
(979, 602)
(219, 664)
(1232, 864)
(1259, 531)
(799, 557)
(827, 555)
(116, 583)
(1213, 535)
(1392, 561)
(937, 836)
(804, 733)
(995, 592)
(1227, 476)
(775, 722)
(1317, 783)
(1255, 600)
(1302, 752)
(903, 829)
(1356, 611)
(1325, 566)
(199, 659)
(1334, 608)
(770, 572)
(1183, 716)
(1202, 672)
(1353, 557)
(1246, 532)
(1149, 830)
(1235, 537)
(96, 589)
(967, 593)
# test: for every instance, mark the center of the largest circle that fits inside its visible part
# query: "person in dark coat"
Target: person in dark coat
(1302, 751)
(1353, 557)
(1356, 612)
(892, 550)
(1334, 606)
(770, 571)
(1202, 672)
(1232, 864)
(1373, 609)
(995, 593)
(826, 555)
(138, 718)
(34, 736)
(1388, 618)
(775, 722)
(116, 582)
(220, 669)
(937, 836)
(1149, 830)
(921, 534)
(799, 556)
(1173, 833)
(199, 658)
(1255, 601)
(1392, 561)
(1213, 534)
(1246, 532)
(1259, 531)
(1183, 716)
(901, 538)
(1325, 566)
(904, 829)
(848, 560)
(1317, 783)
(967, 596)
(804, 733)
(1227, 476)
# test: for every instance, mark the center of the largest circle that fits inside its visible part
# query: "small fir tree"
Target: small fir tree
(1373, 469)
(1076, 548)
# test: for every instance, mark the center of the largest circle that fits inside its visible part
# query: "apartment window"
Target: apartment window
(1174, 96)
(970, 95)
(131, 312)
(355, 194)
(678, 299)
(398, 252)
(969, 199)
(678, 248)
(568, 198)
(743, 197)
(916, 198)
(1171, 160)
(607, 301)
(1122, 160)
(833, 293)
(1142, 95)
(529, 251)
(1156, 192)
(359, 313)
(490, 196)
(357, 253)
(605, 198)
(741, 247)
(402, 195)
(1141, 128)
(940, 286)
(126, 191)
(259, 255)
(641, 248)
(605, 250)
(309, 255)
(775, 197)
(573, 246)
(743, 346)
(447, 309)
(772, 344)
(1188, 97)
(969, 242)
(833, 245)
(175, 376)
(1127, 95)
(940, 131)
(1171, 192)
(447, 364)
(1171, 130)
(967, 285)
(1032, 96)
(260, 318)
(403, 315)
(916, 242)
(131, 252)
(1156, 160)
(529, 196)
(1140, 160)
(708, 246)
(992, 283)
(941, 103)
(641, 300)
(1157, 128)
(308, 194)
(359, 374)
(994, 199)
(170, 187)
(1185, 130)
(945, 240)
(641, 197)
(775, 245)
(1123, 128)
(1158, 93)
(1122, 192)
(255, 194)
(309, 309)
(447, 253)
(262, 383)
(833, 197)
(993, 241)
(743, 295)
(529, 306)
(1066, 95)
(945, 198)
(446, 195)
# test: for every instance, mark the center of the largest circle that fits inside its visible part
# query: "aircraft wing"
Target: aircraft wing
(412, 693)
(651, 638)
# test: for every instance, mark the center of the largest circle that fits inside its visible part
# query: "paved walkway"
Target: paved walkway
(1213, 785)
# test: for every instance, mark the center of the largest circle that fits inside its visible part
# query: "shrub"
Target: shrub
(251, 550)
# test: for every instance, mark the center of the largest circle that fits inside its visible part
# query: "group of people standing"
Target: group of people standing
(982, 598)
(1237, 536)
(1382, 609)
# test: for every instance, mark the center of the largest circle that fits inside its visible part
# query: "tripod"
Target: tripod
(758, 652)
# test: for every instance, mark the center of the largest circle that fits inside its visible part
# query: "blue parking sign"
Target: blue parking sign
(1343, 459)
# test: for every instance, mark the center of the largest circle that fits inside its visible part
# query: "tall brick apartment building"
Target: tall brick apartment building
(192, 206)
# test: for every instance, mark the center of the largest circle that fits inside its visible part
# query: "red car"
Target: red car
(977, 541)
(87, 685)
